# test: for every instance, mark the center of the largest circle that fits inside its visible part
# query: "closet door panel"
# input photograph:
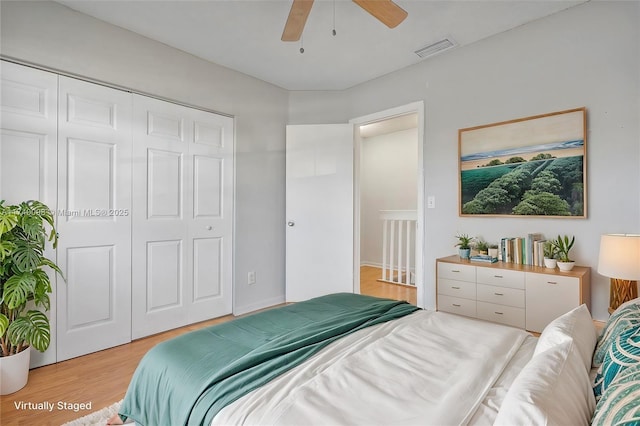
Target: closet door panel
(160, 244)
(211, 224)
(28, 154)
(94, 193)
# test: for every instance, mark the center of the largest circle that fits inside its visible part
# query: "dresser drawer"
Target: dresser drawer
(548, 297)
(500, 295)
(457, 305)
(507, 315)
(500, 277)
(453, 271)
(455, 288)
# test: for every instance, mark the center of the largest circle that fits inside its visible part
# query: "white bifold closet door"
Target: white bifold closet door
(94, 221)
(182, 216)
(28, 154)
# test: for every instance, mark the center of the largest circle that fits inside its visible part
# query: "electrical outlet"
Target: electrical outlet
(251, 277)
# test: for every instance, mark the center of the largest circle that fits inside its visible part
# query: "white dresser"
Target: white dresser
(521, 296)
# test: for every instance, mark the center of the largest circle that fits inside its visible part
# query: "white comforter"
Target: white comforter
(426, 368)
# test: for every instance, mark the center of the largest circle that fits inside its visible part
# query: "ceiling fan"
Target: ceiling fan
(386, 11)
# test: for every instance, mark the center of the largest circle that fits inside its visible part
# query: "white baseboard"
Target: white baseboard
(241, 310)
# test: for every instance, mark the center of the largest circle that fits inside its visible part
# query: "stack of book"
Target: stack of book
(523, 250)
(483, 258)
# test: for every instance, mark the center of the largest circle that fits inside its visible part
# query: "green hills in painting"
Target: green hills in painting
(542, 186)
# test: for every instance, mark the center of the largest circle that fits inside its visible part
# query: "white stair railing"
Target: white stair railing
(398, 254)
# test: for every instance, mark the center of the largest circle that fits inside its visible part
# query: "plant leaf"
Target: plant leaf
(4, 324)
(26, 255)
(18, 288)
(33, 328)
(8, 219)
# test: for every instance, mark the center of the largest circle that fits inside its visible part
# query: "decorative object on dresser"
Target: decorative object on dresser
(24, 288)
(493, 250)
(620, 260)
(464, 245)
(550, 253)
(482, 246)
(522, 296)
(563, 245)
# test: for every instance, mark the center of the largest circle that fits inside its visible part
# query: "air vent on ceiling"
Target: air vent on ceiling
(434, 48)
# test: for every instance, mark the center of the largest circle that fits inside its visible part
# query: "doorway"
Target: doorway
(388, 204)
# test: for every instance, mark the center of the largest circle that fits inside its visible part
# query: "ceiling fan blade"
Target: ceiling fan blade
(384, 11)
(297, 18)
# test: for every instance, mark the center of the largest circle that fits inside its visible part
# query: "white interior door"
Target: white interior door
(28, 154)
(94, 222)
(319, 210)
(182, 216)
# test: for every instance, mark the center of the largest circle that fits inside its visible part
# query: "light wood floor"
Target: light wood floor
(102, 378)
(370, 285)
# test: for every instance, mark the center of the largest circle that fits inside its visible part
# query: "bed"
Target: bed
(358, 360)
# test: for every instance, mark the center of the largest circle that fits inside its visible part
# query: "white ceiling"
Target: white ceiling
(245, 34)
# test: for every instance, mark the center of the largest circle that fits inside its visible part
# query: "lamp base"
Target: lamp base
(621, 291)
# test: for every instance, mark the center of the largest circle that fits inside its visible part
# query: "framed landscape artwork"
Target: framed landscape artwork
(533, 166)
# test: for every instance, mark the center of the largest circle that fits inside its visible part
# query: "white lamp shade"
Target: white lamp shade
(620, 256)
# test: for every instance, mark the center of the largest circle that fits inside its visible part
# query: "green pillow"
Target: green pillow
(620, 403)
(627, 315)
(624, 352)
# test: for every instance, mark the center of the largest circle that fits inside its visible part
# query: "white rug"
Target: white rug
(97, 417)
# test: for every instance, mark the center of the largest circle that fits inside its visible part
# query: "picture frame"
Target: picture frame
(528, 167)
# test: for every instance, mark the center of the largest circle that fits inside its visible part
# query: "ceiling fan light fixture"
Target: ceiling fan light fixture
(437, 47)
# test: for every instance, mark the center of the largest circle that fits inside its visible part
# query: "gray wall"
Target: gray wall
(51, 35)
(587, 56)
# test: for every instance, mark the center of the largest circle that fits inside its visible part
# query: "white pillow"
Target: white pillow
(552, 389)
(575, 324)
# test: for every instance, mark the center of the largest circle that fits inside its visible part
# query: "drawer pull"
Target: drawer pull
(456, 305)
(552, 282)
(499, 294)
(455, 270)
(498, 313)
(455, 288)
(498, 276)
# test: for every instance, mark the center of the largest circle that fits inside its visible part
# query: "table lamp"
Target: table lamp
(620, 260)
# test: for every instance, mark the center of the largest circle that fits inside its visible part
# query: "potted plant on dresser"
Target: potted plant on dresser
(464, 245)
(24, 288)
(550, 251)
(563, 245)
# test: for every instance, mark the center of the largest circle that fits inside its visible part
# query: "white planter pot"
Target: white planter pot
(566, 266)
(550, 263)
(14, 372)
(493, 252)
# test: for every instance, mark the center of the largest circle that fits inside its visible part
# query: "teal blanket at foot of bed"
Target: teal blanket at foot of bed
(188, 379)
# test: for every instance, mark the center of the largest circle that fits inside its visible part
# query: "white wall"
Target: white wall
(388, 174)
(51, 35)
(588, 56)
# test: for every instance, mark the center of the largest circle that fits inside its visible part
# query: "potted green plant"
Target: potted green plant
(482, 246)
(464, 245)
(550, 251)
(563, 245)
(24, 288)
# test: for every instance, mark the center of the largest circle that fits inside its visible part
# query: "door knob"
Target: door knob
(291, 223)
(209, 228)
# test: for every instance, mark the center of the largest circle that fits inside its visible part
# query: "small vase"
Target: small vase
(566, 266)
(550, 263)
(14, 371)
(464, 253)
